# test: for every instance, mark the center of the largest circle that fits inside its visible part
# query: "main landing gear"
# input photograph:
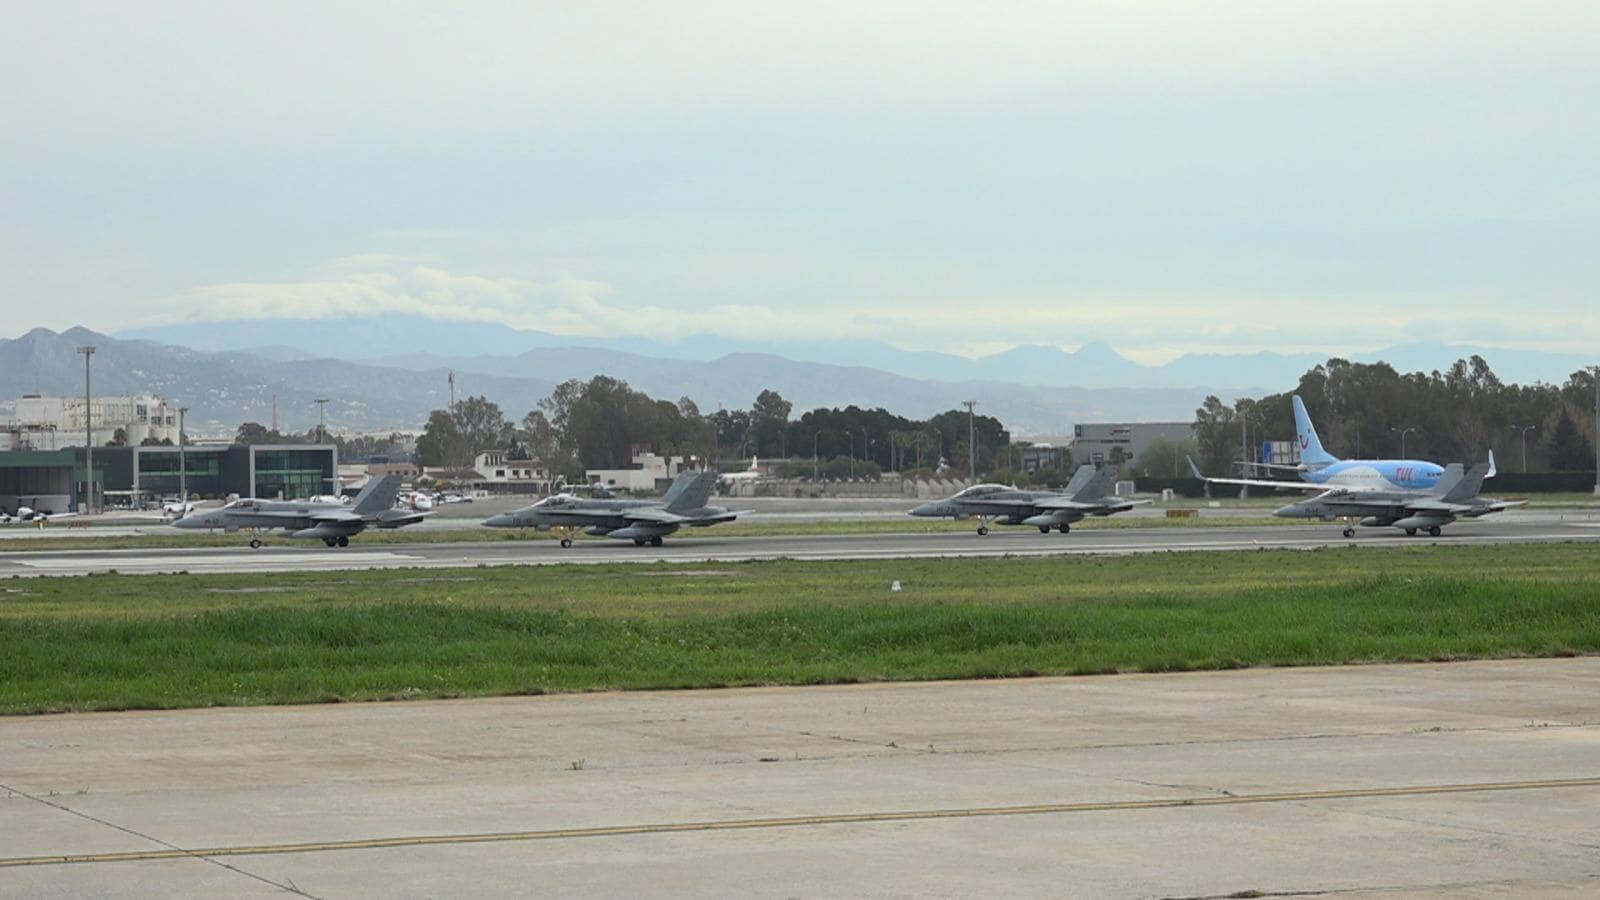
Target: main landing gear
(340, 541)
(652, 541)
(1063, 528)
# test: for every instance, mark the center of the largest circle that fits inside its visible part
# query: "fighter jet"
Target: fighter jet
(334, 523)
(1455, 496)
(1085, 495)
(641, 521)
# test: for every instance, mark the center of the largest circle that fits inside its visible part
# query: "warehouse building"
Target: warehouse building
(133, 477)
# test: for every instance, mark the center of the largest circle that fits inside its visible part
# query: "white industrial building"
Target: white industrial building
(39, 422)
(654, 473)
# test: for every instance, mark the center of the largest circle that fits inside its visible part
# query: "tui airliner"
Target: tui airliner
(1320, 469)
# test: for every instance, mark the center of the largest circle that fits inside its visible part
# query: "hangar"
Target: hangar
(53, 480)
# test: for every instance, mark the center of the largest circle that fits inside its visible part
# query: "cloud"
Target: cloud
(1150, 327)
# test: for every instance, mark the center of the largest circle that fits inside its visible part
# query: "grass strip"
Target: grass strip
(375, 636)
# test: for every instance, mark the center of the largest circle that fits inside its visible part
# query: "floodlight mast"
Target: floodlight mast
(88, 432)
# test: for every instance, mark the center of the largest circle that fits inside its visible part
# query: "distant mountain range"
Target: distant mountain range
(1094, 365)
(388, 372)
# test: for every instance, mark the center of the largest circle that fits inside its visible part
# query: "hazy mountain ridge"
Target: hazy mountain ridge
(226, 388)
(486, 347)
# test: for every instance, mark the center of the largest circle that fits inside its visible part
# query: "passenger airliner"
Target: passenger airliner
(1320, 469)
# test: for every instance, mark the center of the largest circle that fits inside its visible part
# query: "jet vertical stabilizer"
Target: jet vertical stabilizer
(1311, 453)
(1099, 486)
(377, 496)
(691, 490)
(1080, 480)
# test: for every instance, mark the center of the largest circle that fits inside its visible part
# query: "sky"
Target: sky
(1164, 177)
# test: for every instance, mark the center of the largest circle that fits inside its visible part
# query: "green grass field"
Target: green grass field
(112, 642)
(163, 539)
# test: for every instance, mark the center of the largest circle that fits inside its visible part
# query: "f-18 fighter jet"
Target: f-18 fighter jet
(334, 523)
(641, 521)
(1455, 496)
(1087, 494)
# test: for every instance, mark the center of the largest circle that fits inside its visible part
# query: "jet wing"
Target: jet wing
(1262, 482)
(336, 516)
(654, 514)
(1070, 504)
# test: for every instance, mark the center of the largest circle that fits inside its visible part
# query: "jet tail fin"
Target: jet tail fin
(1464, 490)
(690, 490)
(1311, 452)
(378, 495)
(1449, 481)
(1099, 485)
(1080, 480)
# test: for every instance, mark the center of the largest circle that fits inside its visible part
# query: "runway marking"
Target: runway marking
(800, 822)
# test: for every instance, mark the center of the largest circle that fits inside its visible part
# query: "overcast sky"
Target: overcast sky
(1164, 177)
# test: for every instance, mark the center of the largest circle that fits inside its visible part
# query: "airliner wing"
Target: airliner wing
(1290, 485)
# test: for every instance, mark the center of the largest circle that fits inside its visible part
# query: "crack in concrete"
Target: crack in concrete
(61, 807)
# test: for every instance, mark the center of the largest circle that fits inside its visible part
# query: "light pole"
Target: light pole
(972, 443)
(815, 435)
(322, 428)
(88, 432)
(1596, 371)
(1524, 429)
(865, 444)
(183, 470)
(852, 436)
(1403, 433)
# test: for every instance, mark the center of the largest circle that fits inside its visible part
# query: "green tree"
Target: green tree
(1164, 458)
(455, 436)
(1569, 449)
(1217, 435)
(769, 418)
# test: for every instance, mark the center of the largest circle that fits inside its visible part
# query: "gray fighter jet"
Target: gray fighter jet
(1087, 494)
(1454, 497)
(334, 523)
(641, 521)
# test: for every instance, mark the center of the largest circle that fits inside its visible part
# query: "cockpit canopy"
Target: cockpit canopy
(980, 490)
(241, 503)
(556, 501)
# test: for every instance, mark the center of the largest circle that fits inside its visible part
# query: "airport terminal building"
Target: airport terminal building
(131, 477)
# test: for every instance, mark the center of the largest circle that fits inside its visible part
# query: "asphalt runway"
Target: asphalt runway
(1477, 779)
(706, 546)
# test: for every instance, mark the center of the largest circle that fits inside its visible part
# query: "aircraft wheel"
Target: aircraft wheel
(1349, 532)
(638, 542)
(255, 543)
(983, 529)
(1433, 531)
(1411, 532)
(1044, 529)
(1064, 528)
(566, 542)
(344, 541)
(329, 542)
(656, 541)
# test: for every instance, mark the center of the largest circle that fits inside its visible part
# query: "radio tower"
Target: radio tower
(452, 379)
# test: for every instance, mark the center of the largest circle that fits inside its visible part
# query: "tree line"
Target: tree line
(1367, 410)
(596, 424)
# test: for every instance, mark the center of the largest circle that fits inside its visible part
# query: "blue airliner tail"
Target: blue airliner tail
(1311, 453)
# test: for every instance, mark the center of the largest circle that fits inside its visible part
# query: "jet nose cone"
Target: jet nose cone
(189, 521)
(928, 510)
(1291, 512)
(504, 520)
